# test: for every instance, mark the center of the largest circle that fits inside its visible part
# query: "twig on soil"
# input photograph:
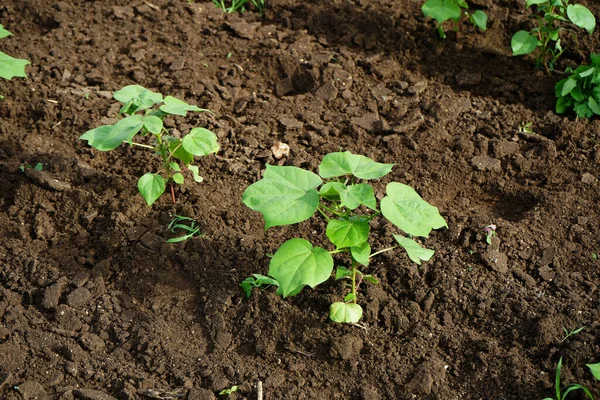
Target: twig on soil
(259, 391)
(299, 352)
(152, 6)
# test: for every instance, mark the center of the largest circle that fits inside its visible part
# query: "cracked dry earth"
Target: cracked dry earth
(95, 304)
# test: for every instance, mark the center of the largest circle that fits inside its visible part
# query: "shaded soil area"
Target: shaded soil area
(95, 304)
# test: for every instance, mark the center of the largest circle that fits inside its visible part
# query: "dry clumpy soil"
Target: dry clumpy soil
(95, 304)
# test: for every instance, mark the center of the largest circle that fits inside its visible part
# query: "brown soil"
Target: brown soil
(94, 304)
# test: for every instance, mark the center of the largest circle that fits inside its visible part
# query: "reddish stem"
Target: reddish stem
(172, 193)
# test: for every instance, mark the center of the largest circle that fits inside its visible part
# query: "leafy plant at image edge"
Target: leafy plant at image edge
(142, 118)
(560, 395)
(240, 5)
(549, 14)
(450, 10)
(580, 91)
(288, 195)
(9, 66)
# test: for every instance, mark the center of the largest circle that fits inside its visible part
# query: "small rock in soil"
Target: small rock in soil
(32, 390)
(201, 394)
(496, 260)
(346, 348)
(290, 123)
(284, 87)
(327, 92)
(89, 394)
(152, 241)
(52, 295)
(79, 297)
(547, 256)
(546, 273)
(91, 342)
(588, 178)
(485, 163)
(243, 29)
(67, 318)
(370, 123)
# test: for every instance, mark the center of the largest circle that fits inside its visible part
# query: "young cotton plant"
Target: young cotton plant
(545, 36)
(9, 66)
(143, 113)
(451, 10)
(580, 91)
(341, 195)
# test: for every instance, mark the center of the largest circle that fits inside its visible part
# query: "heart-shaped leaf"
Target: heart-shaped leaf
(297, 263)
(11, 67)
(151, 187)
(346, 163)
(414, 250)
(523, 42)
(200, 142)
(345, 312)
(582, 17)
(347, 233)
(441, 10)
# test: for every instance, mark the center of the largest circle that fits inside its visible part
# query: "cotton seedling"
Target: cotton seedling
(452, 10)
(553, 16)
(341, 195)
(143, 112)
(580, 91)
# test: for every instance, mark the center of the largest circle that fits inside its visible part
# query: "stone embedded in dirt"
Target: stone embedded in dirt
(47, 180)
(327, 92)
(322, 57)
(371, 123)
(547, 256)
(465, 79)
(496, 260)
(546, 273)
(53, 293)
(89, 394)
(79, 297)
(152, 241)
(485, 163)
(502, 148)
(32, 390)
(200, 394)
(284, 87)
(280, 150)
(243, 29)
(381, 92)
(588, 178)
(91, 342)
(417, 88)
(290, 123)
(67, 318)
(123, 12)
(347, 347)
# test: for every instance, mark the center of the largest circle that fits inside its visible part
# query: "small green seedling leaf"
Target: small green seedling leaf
(136, 98)
(153, 124)
(11, 67)
(3, 32)
(194, 170)
(227, 392)
(352, 196)
(200, 142)
(441, 10)
(371, 279)
(479, 19)
(175, 146)
(257, 281)
(414, 250)
(178, 178)
(582, 17)
(347, 233)
(178, 107)
(345, 313)
(350, 297)
(408, 211)
(346, 163)
(151, 187)
(285, 195)
(342, 273)
(523, 42)
(595, 370)
(174, 166)
(297, 263)
(361, 254)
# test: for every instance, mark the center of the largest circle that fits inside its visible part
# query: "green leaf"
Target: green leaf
(136, 97)
(371, 279)
(582, 110)
(568, 86)
(342, 273)
(109, 137)
(479, 19)
(151, 187)
(3, 32)
(178, 178)
(414, 250)
(582, 17)
(178, 107)
(174, 166)
(523, 42)
(595, 370)
(563, 104)
(593, 105)
(194, 170)
(285, 195)
(361, 254)
(179, 152)
(297, 264)
(350, 297)
(347, 233)
(577, 95)
(408, 211)
(346, 163)
(441, 10)
(153, 124)
(533, 2)
(348, 313)
(257, 281)
(351, 196)
(200, 142)
(11, 67)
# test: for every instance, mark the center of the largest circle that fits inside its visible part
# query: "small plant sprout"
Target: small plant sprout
(490, 232)
(526, 127)
(38, 167)
(186, 224)
(227, 392)
(144, 118)
(580, 91)
(545, 37)
(9, 66)
(446, 10)
(341, 195)
(240, 5)
(568, 333)
(560, 395)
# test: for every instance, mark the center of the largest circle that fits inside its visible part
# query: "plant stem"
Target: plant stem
(322, 213)
(139, 144)
(383, 251)
(172, 193)
(336, 213)
(354, 281)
